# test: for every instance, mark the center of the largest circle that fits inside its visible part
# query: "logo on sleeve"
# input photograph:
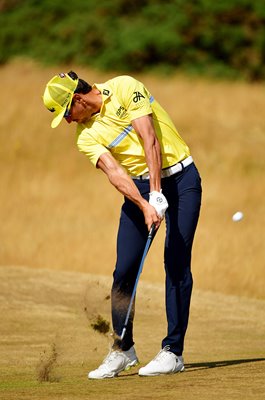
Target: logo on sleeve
(138, 97)
(121, 112)
(106, 92)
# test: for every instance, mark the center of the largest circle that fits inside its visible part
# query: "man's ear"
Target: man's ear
(77, 97)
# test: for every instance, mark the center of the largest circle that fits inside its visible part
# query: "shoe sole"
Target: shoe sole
(127, 368)
(133, 364)
(163, 373)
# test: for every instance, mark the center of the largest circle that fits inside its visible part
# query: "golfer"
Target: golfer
(125, 132)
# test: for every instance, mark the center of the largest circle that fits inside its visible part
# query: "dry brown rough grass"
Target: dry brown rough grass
(58, 212)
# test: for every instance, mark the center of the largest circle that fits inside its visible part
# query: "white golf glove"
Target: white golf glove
(159, 202)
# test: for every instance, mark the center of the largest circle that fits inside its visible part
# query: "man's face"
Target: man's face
(78, 112)
(82, 108)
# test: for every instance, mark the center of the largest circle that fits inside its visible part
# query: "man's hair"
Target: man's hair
(82, 86)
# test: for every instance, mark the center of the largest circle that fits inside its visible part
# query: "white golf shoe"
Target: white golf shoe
(165, 362)
(115, 362)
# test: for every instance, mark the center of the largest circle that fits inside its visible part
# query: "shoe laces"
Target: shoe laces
(162, 354)
(112, 355)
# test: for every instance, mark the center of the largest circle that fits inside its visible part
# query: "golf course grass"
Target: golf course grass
(48, 344)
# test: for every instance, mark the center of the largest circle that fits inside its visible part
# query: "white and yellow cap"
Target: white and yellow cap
(58, 96)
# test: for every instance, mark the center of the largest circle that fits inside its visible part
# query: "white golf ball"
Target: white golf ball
(237, 216)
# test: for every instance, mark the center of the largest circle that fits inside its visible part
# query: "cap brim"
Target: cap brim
(56, 121)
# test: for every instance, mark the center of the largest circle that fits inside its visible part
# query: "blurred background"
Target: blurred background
(203, 61)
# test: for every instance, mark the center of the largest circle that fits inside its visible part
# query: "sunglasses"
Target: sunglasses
(67, 113)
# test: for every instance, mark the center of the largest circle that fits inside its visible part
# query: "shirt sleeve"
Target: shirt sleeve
(88, 145)
(134, 97)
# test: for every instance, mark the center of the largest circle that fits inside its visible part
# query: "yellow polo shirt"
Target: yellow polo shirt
(125, 99)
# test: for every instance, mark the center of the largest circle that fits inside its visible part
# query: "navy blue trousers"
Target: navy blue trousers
(183, 193)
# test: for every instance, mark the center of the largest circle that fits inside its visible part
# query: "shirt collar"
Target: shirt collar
(104, 89)
(106, 93)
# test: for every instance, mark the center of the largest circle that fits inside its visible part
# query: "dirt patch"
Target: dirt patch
(100, 325)
(46, 365)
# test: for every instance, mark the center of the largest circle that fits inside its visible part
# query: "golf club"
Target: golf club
(148, 243)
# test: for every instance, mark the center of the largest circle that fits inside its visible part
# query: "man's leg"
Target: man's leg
(183, 193)
(131, 241)
(184, 197)
(132, 235)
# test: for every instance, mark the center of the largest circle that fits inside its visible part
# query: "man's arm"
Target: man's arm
(145, 129)
(125, 185)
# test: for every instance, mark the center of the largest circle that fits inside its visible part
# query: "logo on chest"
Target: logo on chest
(138, 96)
